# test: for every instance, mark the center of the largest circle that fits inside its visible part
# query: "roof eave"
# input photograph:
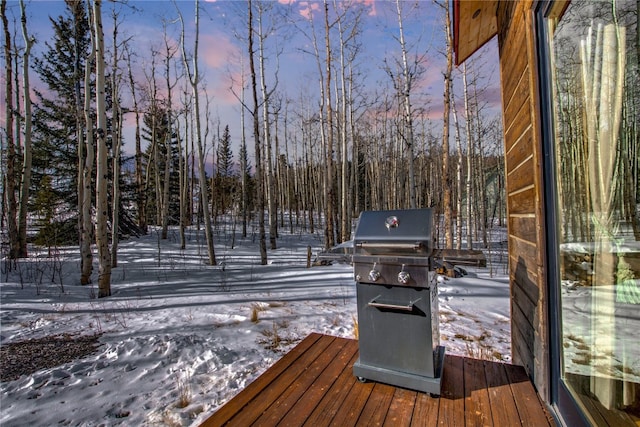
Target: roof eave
(480, 20)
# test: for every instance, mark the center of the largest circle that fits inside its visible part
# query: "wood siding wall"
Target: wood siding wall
(523, 162)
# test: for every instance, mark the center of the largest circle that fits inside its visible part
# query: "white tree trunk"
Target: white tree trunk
(446, 180)
(194, 79)
(168, 160)
(256, 136)
(102, 173)
(458, 175)
(271, 190)
(470, 156)
(117, 146)
(26, 149)
(329, 185)
(408, 113)
(87, 171)
(9, 174)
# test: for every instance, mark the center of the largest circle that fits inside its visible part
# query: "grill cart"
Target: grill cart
(397, 299)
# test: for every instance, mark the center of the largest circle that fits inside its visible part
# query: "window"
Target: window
(592, 56)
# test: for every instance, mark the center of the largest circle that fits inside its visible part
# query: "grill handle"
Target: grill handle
(390, 245)
(392, 306)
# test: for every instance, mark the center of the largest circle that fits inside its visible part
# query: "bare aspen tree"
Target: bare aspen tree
(481, 179)
(102, 173)
(345, 214)
(182, 178)
(309, 176)
(208, 121)
(186, 197)
(289, 175)
(194, 79)
(168, 160)
(329, 185)
(256, 135)
(355, 158)
(470, 156)
(140, 193)
(298, 175)
(407, 79)
(191, 138)
(116, 143)
(458, 218)
(10, 177)
(446, 179)
(158, 135)
(266, 124)
(244, 184)
(277, 169)
(323, 141)
(183, 163)
(326, 128)
(80, 130)
(25, 184)
(3, 140)
(86, 195)
(156, 116)
(347, 34)
(17, 122)
(244, 201)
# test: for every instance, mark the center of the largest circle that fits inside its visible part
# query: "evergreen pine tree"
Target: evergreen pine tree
(224, 187)
(225, 155)
(247, 188)
(54, 126)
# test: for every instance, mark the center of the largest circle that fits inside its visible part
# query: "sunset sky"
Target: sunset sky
(222, 33)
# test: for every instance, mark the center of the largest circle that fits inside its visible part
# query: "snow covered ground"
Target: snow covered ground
(180, 338)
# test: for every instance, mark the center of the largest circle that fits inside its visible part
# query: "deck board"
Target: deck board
(268, 397)
(236, 405)
(375, 411)
(330, 403)
(425, 413)
(527, 401)
(476, 397)
(401, 408)
(351, 407)
(304, 407)
(289, 398)
(314, 385)
(501, 397)
(451, 412)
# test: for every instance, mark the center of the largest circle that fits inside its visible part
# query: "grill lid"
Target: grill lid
(400, 231)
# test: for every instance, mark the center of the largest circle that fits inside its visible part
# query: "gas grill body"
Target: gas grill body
(397, 300)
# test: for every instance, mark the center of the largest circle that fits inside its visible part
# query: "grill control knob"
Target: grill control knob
(374, 274)
(404, 277)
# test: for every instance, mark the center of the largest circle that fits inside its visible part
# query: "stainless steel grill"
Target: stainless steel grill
(397, 300)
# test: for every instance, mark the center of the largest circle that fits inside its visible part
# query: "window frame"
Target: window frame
(565, 407)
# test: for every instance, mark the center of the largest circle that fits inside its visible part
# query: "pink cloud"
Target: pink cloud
(371, 4)
(218, 50)
(222, 84)
(307, 8)
(220, 56)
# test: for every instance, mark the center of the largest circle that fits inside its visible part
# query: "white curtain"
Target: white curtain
(603, 72)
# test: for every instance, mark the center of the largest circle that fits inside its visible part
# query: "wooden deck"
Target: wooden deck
(313, 385)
